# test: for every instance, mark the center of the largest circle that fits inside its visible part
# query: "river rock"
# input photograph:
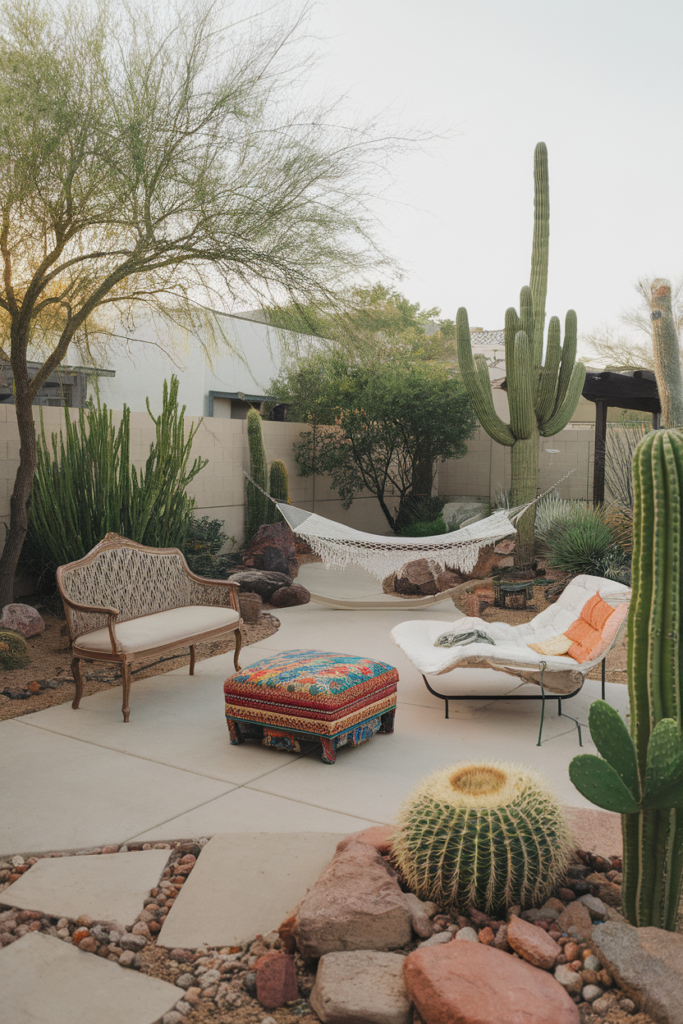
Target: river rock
(289, 597)
(576, 916)
(476, 984)
(532, 943)
(361, 987)
(596, 908)
(263, 583)
(272, 548)
(355, 904)
(22, 618)
(276, 980)
(647, 963)
(569, 979)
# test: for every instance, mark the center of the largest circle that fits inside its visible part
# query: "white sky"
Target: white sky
(600, 82)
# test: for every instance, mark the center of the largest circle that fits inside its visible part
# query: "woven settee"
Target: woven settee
(124, 602)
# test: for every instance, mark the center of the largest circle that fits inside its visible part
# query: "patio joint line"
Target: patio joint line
(319, 807)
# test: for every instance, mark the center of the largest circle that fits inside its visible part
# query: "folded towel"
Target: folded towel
(475, 636)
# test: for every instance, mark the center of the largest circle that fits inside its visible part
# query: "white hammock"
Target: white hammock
(339, 546)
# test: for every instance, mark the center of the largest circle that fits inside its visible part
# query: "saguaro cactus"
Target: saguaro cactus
(642, 776)
(542, 394)
(667, 354)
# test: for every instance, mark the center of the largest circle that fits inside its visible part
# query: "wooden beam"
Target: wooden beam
(599, 454)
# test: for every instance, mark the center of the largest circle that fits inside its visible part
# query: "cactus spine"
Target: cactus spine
(484, 835)
(258, 506)
(542, 396)
(642, 776)
(667, 354)
(13, 650)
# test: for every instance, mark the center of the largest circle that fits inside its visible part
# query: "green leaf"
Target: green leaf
(599, 782)
(614, 742)
(664, 771)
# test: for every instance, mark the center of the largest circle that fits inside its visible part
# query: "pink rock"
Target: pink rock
(276, 980)
(22, 618)
(377, 836)
(140, 928)
(355, 904)
(472, 983)
(576, 915)
(532, 943)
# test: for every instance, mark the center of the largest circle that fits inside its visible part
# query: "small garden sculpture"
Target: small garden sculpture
(641, 775)
(484, 835)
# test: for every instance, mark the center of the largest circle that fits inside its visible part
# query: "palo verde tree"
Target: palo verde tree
(542, 392)
(158, 155)
(378, 422)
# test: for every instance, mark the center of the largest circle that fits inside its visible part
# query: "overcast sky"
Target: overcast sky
(600, 82)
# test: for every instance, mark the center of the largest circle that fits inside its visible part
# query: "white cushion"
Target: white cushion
(149, 631)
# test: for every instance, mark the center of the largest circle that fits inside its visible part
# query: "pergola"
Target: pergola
(636, 390)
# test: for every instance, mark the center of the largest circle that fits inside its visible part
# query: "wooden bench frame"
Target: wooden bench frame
(215, 593)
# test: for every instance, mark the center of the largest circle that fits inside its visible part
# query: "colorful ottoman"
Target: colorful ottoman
(299, 696)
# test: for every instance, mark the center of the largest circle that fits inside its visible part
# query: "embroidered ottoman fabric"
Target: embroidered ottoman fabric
(299, 696)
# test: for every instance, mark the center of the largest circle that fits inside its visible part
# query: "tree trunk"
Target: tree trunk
(18, 523)
(524, 457)
(423, 475)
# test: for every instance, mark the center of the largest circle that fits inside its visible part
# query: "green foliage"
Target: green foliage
(542, 394)
(641, 775)
(418, 508)
(425, 529)
(13, 650)
(258, 508)
(483, 835)
(85, 485)
(203, 546)
(581, 539)
(377, 424)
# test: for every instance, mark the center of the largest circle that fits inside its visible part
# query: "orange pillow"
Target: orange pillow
(587, 632)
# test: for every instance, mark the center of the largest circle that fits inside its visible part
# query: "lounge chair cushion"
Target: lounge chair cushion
(586, 632)
(175, 625)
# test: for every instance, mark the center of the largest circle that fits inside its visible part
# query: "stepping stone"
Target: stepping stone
(244, 885)
(44, 979)
(107, 886)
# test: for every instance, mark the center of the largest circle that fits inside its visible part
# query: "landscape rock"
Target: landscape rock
(290, 597)
(589, 993)
(422, 914)
(416, 579)
(355, 904)
(377, 836)
(607, 891)
(377, 994)
(22, 618)
(442, 937)
(132, 942)
(262, 583)
(596, 908)
(647, 963)
(467, 935)
(272, 548)
(533, 943)
(568, 979)
(472, 983)
(276, 980)
(576, 916)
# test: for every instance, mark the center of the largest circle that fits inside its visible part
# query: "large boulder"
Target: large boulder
(416, 578)
(262, 583)
(272, 548)
(22, 618)
(356, 903)
(647, 963)
(473, 983)
(361, 987)
(289, 597)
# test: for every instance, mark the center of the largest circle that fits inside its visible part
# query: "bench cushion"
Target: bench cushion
(176, 625)
(314, 692)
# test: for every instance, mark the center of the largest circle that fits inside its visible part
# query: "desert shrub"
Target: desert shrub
(425, 529)
(417, 509)
(583, 542)
(203, 549)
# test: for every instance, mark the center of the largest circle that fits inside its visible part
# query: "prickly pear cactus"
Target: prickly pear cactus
(641, 774)
(487, 835)
(13, 650)
(542, 393)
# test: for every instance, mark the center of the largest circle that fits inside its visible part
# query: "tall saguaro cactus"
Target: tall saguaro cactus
(258, 506)
(641, 775)
(667, 354)
(542, 394)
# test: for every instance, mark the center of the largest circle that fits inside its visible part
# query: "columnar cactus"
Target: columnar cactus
(667, 354)
(484, 835)
(542, 394)
(258, 505)
(641, 775)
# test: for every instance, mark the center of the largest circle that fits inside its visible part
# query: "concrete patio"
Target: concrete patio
(83, 778)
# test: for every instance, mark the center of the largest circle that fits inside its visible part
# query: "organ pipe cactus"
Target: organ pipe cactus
(486, 835)
(542, 393)
(258, 505)
(641, 775)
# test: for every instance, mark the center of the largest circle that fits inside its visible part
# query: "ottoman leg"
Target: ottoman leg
(329, 754)
(236, 736)
(388, 721)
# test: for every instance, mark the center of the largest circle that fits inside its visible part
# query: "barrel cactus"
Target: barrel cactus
(487, 835)
(13, 650)
(640, 773)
